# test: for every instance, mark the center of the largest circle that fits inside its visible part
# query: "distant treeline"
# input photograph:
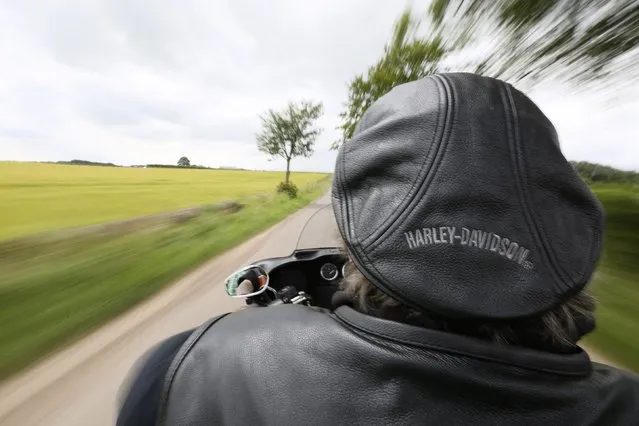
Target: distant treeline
(171, 166)
(597, 173)
(87, 163)
(150, 166)
(591, 172)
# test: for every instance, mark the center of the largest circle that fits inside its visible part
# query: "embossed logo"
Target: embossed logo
(483, 240)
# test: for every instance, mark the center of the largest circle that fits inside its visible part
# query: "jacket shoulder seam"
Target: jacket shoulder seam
(177, 362)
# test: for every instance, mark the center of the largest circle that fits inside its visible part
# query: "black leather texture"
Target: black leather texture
(295, 365)
(453, 196)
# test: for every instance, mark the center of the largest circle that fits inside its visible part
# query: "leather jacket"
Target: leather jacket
(295, 365)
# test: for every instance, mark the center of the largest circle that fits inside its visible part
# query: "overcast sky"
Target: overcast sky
(147, 81)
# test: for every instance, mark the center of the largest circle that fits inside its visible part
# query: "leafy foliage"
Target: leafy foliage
(184, 162)
(290, 133)
(406, 58)
(288, 188)
(522, 41)
(579, 41)
(597, 173)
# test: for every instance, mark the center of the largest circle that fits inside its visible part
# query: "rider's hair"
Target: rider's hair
(558, 328)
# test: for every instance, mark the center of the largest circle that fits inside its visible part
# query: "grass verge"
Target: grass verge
(616, 284)
(53, 292)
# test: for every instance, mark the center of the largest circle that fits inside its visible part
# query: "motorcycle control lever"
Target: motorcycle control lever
(290, 294)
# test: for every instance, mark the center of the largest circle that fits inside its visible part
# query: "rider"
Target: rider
(473, 241)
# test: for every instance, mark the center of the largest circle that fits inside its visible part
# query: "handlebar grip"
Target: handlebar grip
(287, 292)
(284, 296)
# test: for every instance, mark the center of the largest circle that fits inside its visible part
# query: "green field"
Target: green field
(616, 285)
(42, 197)
(53, 291)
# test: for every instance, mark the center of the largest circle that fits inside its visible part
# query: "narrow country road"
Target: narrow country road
(78, 386)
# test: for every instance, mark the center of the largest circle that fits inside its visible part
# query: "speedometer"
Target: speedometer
(329, 271)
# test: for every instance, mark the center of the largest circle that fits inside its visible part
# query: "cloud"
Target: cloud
(131, 82)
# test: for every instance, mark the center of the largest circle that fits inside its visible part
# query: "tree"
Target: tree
(406, 58)
(290, 133)
(586, 42)
(576, 41)
(593, 172)
(184, 162)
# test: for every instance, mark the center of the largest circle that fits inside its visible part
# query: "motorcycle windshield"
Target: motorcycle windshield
(320, 230)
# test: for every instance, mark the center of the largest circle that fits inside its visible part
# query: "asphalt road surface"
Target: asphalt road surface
(79, 385)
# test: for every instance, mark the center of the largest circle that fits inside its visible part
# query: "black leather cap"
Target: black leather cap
(453, 197)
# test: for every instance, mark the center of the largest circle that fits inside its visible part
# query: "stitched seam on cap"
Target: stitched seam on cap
(564, 275)
(537, 226)
(513, 136)
(409, 198)
(421, 185)
(514, 143)
(342, 219)
(587, 266)
(345, 205)
(360, 258)
(376, 277)
(341, 198)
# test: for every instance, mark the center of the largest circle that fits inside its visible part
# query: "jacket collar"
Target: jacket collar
(573, 364)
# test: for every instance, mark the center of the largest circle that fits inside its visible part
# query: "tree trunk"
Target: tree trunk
(288, 170)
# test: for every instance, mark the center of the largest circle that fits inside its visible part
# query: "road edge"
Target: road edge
(35, 379)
